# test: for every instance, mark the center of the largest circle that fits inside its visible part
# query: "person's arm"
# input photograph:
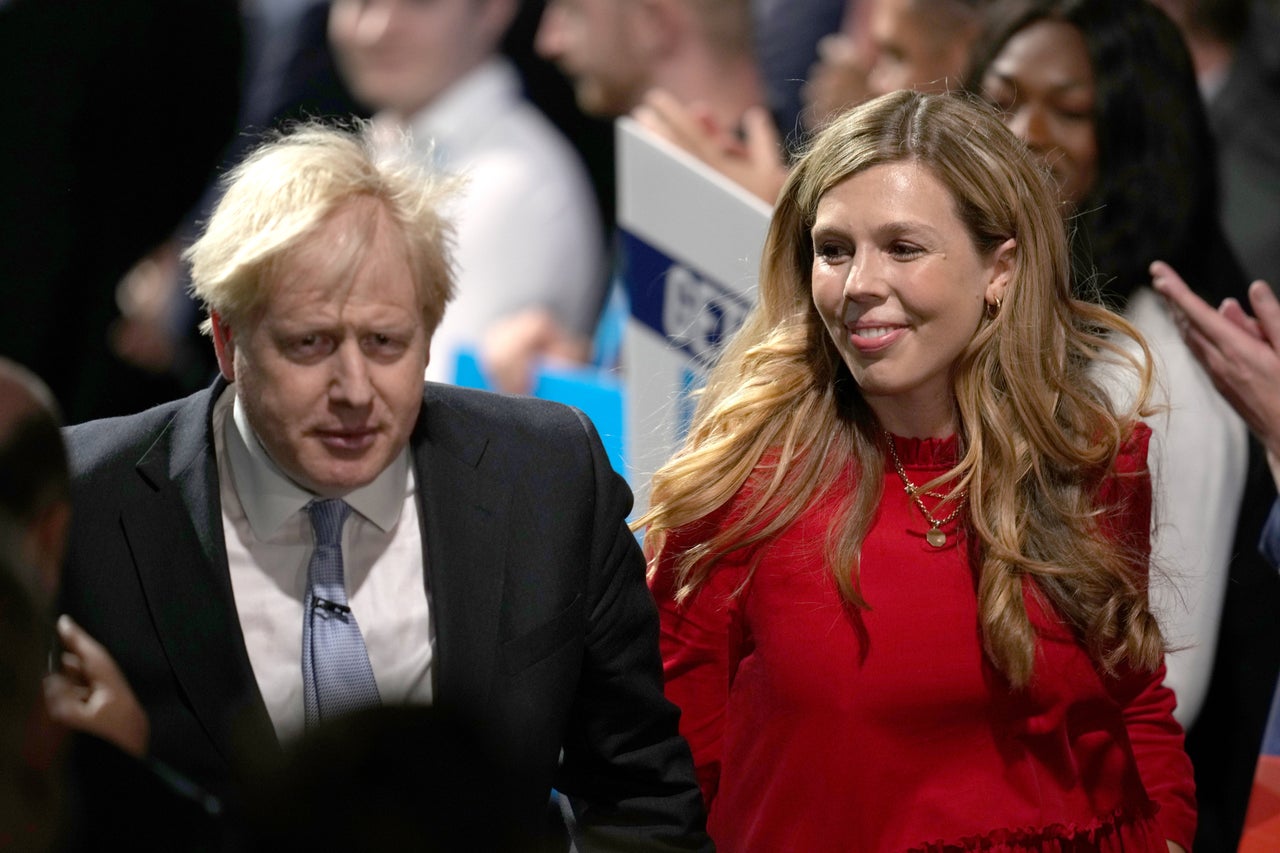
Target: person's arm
(1154, 734)
(626, 770)
(701, 642)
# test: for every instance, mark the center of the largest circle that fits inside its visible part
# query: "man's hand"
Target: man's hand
(89, 693)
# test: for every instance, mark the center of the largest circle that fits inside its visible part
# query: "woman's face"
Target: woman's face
(901, 289)
(1043, 82)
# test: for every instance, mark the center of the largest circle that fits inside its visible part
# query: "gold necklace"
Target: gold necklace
(935, 536)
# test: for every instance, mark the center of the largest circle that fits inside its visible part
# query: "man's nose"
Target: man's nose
(351, 383)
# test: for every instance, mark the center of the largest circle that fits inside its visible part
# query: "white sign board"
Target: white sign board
(690, 246)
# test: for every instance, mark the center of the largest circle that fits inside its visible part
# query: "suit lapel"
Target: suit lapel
(175, 531)
(465, 523)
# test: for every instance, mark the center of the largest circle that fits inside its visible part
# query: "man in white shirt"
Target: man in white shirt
(482, 557)
(529, 244)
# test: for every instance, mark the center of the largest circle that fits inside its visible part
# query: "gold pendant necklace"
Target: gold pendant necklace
(935, 536)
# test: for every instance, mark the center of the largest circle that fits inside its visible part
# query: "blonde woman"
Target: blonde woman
(901, 560)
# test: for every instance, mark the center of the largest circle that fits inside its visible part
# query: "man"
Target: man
(529, 247)
(483, 563)
(616, 51)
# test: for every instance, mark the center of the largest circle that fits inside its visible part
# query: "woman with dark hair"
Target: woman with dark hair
(901, 559)
(1103, 91)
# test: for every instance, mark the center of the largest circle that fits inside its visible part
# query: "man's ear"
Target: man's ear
(1003, 262)
(657, 27)
(224, 345)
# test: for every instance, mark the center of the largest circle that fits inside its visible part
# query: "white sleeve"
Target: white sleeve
(1198, 458)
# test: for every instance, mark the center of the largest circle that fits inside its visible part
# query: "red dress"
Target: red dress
(818, 727)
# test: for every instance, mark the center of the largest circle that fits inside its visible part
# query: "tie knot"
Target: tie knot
(327, 518)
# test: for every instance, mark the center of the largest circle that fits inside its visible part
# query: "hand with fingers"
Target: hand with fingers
(751, 155)
(89, 693)
(1240, 352)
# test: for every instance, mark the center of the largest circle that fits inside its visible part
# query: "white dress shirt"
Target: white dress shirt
(269, 543)
(528, 230)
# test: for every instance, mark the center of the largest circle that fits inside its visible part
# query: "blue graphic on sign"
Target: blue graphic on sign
(693, 312)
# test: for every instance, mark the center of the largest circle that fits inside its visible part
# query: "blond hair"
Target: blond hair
(1037, 432)
(285, 189)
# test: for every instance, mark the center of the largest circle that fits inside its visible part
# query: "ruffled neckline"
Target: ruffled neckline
(927, 452)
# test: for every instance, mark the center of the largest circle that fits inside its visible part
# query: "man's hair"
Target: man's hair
(33, 460)
(282, 193)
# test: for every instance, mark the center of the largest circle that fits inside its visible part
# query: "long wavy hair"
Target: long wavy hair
(1037, 432)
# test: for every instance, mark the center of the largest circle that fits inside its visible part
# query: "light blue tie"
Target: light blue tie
(336, 675)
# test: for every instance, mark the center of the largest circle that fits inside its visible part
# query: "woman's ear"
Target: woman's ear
(1002, 264)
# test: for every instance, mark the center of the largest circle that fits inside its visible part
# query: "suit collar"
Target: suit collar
(175, 532)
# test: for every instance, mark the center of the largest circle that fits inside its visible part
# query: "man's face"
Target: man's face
(400, 55)
(593, 43)
(330, 366)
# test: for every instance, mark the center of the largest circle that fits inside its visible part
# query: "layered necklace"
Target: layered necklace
(935, 536)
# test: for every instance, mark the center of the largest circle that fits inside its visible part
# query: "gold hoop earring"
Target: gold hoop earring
(993, 309)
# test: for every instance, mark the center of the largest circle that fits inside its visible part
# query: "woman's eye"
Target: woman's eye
(830, 251)
(904, 250)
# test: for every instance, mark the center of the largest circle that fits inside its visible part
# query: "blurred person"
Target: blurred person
(909, 44)
(356, 784)
(320, 531)
(1103, 93)
(616, 51)
(1235, 45)
(786, 34)
(30, 765)
(685, 68)
(435, 70)
(111, 784)
(901, 560)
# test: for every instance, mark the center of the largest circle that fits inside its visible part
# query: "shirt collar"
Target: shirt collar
(270, 497)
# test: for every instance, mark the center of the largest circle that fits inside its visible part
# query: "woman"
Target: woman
(1104, 92)
(958, 654)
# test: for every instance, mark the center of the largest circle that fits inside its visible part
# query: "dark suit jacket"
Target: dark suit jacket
(546, 632)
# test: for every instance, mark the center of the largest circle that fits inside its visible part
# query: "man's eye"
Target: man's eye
(380, 343)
